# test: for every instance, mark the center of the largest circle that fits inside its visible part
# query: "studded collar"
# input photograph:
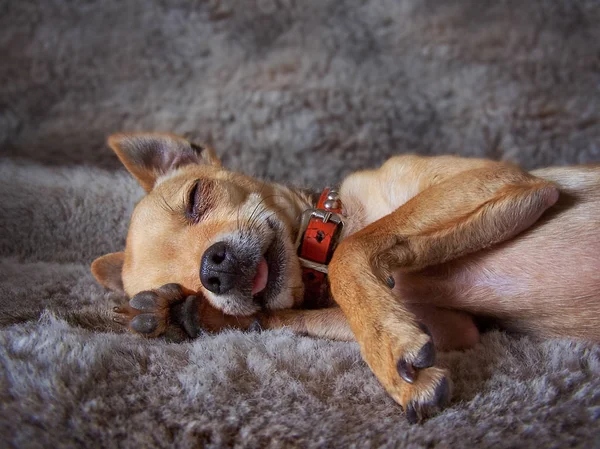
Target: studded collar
(320, 231)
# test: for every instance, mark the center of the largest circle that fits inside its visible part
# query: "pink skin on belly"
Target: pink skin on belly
(547, 286)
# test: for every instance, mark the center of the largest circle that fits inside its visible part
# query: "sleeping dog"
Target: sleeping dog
(402, 259)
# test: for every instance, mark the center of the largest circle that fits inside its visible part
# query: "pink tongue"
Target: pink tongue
(260, 280)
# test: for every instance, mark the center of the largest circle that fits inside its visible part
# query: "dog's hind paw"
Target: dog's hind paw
(150, 313)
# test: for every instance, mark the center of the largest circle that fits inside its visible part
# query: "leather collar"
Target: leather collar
(319, 234)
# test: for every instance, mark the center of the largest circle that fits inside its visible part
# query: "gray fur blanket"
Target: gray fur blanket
(302, 92)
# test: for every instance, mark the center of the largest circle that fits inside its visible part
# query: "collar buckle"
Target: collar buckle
(326, 216)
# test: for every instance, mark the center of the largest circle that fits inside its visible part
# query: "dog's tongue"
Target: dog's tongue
(260, 280)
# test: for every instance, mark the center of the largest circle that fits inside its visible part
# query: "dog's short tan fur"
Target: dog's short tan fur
(458, 237)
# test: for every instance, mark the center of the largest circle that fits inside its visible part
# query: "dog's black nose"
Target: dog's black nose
(219, 268)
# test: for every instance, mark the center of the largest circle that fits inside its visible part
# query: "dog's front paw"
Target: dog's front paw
(150, 313)
(403, 357)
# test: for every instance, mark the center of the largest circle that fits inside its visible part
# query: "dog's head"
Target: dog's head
(222, 234)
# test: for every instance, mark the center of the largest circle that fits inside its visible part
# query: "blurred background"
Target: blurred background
(303, 91)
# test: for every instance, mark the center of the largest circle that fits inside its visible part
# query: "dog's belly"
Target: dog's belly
(546, 281)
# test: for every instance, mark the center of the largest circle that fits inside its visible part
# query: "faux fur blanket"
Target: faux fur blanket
(299, 91)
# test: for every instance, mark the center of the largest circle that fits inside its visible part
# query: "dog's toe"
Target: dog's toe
(441, 396)
(144, 323)
(411, 414)
(185, 315)
(144, 301)
(426, 356)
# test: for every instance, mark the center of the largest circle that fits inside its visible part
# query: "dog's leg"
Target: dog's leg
(460, 215)
(152, 313)
(450, 329)
(330, 323)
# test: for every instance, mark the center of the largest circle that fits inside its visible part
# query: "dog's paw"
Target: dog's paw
(150, 313)
(403, 358)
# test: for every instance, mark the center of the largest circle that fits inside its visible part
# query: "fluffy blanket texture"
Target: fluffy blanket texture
(303, 92)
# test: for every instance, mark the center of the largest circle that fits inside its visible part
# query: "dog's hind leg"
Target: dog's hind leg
(459, 215)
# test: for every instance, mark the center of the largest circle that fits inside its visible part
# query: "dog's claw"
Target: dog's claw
(426, 356)
(120, 320)
(425, 329)
(391, 282)
(407, 371)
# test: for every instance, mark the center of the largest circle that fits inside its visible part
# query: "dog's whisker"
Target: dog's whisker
(257, 215)
(264, 184)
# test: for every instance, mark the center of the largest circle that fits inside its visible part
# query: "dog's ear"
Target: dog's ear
(149, 156)
(107, 271)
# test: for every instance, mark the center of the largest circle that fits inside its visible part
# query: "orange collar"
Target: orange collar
(319, 234)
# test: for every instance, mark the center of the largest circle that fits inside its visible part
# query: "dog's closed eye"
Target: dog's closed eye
(198, 200)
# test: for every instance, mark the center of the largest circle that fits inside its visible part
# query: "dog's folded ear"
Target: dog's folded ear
(148, 156)
(107, 271)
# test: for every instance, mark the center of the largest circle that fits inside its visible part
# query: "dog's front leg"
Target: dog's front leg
(151, 313)
(330, 323)
(458, 216)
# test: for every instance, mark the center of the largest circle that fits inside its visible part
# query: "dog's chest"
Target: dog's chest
(370, 195)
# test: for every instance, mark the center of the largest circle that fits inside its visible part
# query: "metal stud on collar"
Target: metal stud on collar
(333, 200)
(331, 204)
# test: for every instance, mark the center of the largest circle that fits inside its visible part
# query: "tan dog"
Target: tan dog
(428, 244)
